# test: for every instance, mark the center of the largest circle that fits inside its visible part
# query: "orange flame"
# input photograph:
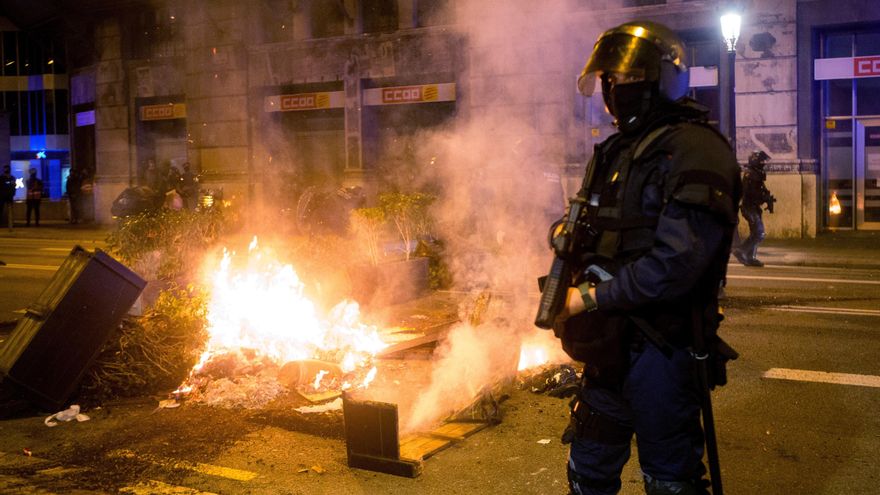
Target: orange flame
(260, 305)
(540, 348)
(834, 204)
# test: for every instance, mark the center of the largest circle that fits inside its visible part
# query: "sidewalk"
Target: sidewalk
(830, 249)
(58, 230)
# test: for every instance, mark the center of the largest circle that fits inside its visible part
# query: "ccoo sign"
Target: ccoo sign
(866, 66)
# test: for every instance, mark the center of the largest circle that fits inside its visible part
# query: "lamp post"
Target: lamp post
(730, 24)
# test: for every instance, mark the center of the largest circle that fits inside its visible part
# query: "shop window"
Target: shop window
(55, 60)
(838, 148)
(838, 97)
(36, 112)
(62, 123)
(704, 53)
(9, 65)
(434, 12)
(710, 98)
(49, 97)
(867, 100)
(327, 19)
(838, 45)
(11, 105)
(32, 57)
(867, 44)
(380, 16)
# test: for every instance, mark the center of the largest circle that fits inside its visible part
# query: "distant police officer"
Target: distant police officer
(755, 195)
(661, 198)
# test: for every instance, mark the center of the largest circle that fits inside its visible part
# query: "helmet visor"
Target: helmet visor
(621, 53)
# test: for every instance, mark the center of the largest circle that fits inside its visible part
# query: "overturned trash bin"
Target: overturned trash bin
(63, 331)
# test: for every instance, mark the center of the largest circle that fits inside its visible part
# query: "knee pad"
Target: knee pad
(581, 485)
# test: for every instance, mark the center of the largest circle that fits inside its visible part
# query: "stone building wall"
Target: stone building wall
(113, 120)
(766, 114)
(523, 75)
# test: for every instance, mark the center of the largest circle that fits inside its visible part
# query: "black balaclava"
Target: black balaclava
(630, 103)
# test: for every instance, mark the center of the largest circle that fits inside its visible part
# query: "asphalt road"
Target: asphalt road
(799, 415)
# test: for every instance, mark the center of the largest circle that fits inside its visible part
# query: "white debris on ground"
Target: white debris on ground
(335, 405)
(66, 415)
(248, 391)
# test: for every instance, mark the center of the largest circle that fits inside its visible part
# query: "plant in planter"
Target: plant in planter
(367, 226)
(166, 244)
(392, 279)
(409, 214)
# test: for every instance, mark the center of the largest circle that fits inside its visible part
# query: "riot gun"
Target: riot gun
(770, 200)
(569, 237)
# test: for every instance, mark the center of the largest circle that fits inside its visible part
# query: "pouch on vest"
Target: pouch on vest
(594, 337)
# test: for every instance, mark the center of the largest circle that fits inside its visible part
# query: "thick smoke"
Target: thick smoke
(495, 168)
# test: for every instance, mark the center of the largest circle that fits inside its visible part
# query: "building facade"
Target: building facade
(267, 98)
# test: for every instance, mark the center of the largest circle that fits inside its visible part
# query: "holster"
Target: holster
(587, 423)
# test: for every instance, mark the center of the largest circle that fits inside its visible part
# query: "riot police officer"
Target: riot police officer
(661, 196)
(755, 195)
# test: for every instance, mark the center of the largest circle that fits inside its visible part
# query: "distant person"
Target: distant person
(33, 197)
(74, 195)
(188, 187)
(7, 195)
(755, 195)
(151, 176)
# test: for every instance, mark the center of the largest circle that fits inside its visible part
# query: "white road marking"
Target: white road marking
(16, 266)
(826, 310)
(805, 279)
(66, 250)
(823, 377)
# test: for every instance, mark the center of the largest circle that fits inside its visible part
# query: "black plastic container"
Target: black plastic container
(62, 332)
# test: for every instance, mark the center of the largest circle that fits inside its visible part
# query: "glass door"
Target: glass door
(867, 172)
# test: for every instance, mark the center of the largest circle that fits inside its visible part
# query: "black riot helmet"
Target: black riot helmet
(649, 53)
(758, 158)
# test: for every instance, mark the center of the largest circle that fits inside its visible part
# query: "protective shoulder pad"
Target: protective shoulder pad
(704, 171)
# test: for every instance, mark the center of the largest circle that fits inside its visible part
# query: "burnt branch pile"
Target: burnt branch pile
(152, 353)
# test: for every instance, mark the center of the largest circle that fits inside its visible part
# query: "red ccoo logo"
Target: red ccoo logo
(866, 66)
(403, 94)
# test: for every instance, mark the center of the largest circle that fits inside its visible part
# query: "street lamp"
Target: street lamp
(730, 24)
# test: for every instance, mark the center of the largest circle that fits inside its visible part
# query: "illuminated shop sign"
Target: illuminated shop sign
(846, 67)
(163, 112)
(304, 101)
(426, 93)
(85, 118)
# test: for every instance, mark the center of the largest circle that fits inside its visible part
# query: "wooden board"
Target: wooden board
(420, 446)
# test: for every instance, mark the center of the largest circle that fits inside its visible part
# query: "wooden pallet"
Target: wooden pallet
(373, 439)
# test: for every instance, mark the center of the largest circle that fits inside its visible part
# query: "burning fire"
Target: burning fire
(540, 348)
(834, 204)
(258, 309)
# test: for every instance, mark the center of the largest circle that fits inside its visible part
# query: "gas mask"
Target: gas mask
(629, 103)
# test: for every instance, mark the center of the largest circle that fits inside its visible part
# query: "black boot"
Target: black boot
(658, 487)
